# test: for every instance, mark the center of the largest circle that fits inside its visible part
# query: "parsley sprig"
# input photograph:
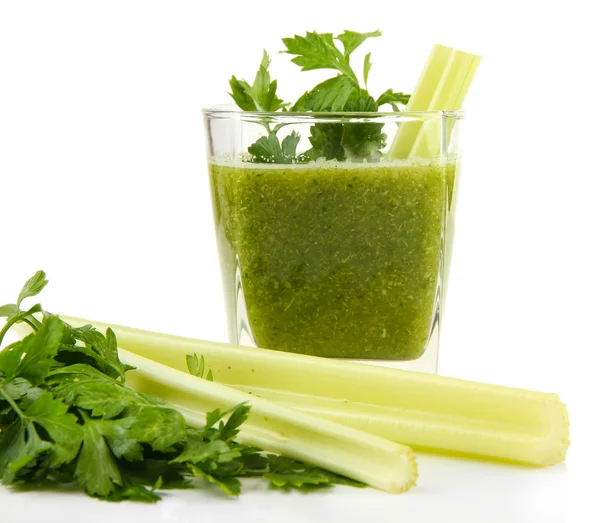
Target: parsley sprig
(68, 416)
(341, 93)
(262, 94)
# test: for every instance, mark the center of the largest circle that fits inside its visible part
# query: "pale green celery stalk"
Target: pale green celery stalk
(443, 86)
(359, 455)
(419, 101)
(424, 411)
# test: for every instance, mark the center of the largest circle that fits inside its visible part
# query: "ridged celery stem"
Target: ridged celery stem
(421, 410)
(359, 455)
(442, 86)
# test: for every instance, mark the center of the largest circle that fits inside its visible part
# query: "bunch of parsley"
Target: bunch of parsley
(341, 93)
(68, 416)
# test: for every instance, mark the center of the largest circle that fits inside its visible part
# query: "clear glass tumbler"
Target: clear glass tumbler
(334, 230)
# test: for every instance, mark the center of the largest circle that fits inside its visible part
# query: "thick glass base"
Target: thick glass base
(427, 363)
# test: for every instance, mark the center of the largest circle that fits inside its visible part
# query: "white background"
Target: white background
(103, 185)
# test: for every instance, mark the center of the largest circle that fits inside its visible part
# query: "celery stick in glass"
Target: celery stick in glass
(443, 86)
(419, 101)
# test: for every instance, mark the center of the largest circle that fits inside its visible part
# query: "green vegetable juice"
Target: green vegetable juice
(333, 258)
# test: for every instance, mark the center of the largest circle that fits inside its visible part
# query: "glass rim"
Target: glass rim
(229, 112)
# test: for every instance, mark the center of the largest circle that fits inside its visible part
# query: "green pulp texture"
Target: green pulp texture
(335, 259)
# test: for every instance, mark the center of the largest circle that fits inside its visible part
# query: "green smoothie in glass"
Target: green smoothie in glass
(339, 260)
(332, 214)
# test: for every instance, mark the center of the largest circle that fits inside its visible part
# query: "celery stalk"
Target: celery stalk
(419, 101)
(425, 411)
(362, 456)
(443, 86)
(443, 433)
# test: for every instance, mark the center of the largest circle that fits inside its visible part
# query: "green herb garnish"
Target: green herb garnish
(68, 416)
(261, 95)
(341, 93)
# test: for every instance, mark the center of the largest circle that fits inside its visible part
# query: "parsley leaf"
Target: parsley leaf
(120, 440)
(261, 95)
(326, 141)
(228, 430)
(33, 286)
(9, 310)
(96, 471)
(267, 149)
(353, 141)
(287, 473)
(231, 428)
(101, 349)
(21, 444)
(297, 480)
(196, 367)
(133, 492)
(390, 97)
(10, 358)
(62, 427)
(363, 141)
(21, 390)
(241, 92)
(12, 311)
(367, 64)
(198, 450)
(85, 387)
(228, 484)
(351, 40)
(330, 95)
(317, 51)
(157, 473)
(33, 357)
(288, 146)
(160, 427)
